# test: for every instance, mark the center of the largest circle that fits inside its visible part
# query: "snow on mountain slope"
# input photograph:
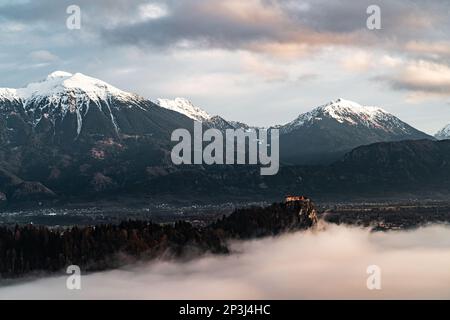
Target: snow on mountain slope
(326, 133)
(185, 107)
(349, 113)
(8, 94)
(67, 106)
(444, 133)
(66, 90)
(62, 93)
(59, 84)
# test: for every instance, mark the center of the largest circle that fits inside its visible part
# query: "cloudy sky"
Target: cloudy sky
(258, 61)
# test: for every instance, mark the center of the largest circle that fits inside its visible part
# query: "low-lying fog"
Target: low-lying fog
(330, 263)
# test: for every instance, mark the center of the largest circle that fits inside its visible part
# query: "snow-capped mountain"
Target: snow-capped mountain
(328, 131)
(444, 133)
(70, 106)
(217, 122)
(347, 112)
(186, 107)
(72, 134)
(7, 94)
(59, 86)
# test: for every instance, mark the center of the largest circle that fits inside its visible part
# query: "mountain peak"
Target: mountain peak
(444, 133)
(347, 112)
(60, 83)
(186, 107)
(8, 94)
(351, 106)
(58, 74)
(327, 132)
(62, 93)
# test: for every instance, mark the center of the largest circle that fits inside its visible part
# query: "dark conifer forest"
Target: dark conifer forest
(30, 249)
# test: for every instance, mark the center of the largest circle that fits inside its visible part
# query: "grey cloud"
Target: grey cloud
(399, 84)
(285, 32)
(191, 20)
(307, 77)
(420, 77)
(50, 11)
(401, 21)
(43, 55)
(212, 24)
(216, 28)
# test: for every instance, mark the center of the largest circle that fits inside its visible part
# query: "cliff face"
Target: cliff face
(268, 221)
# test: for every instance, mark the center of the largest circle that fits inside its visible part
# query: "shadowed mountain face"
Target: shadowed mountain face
(406, 168)
(417, 164)
(326, 133)
(444, 133)
(322, 135)
(71, 133)
(71, 136)
(415, 168)
(66, 108)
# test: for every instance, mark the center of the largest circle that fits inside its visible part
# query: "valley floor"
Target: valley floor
(381, 215)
